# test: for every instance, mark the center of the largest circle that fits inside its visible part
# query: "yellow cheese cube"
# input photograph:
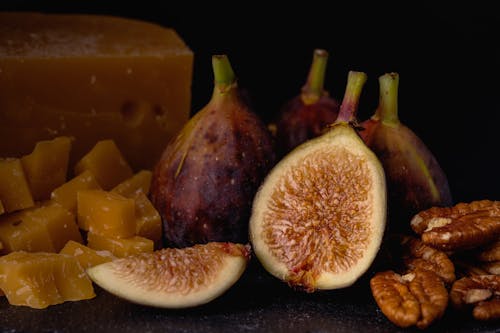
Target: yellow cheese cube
(86, 256)
(47, 166)
(47, 228)
(106, 213)
(107, 164)
(20, 233)
(60, 223)
(65, 195)
(148, 220)
(120, 247)
(141, 181)
(92, 77)
(39, 280)
(14, 190)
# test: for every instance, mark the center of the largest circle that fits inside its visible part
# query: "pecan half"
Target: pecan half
(468, 231)
(482, 292)
(419, 255)
(437, 216)
(418, 298)
(491, 267)
(489, 310)
(491, 252)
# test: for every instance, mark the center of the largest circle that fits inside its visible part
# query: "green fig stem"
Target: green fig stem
(314, 87)
(349, 106)
(387, 110)
(223, 72)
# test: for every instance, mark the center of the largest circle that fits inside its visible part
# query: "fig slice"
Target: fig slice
(318, 219)
(174, 278)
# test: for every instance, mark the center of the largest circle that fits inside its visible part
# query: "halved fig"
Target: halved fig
(319, 217)
(174, 278)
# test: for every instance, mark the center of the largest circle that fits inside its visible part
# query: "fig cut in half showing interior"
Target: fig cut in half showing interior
(174, 278)
(318, 219)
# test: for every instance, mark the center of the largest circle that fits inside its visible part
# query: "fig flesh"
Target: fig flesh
(415, 179)
(306, 116)
(319, 217)
(174, 278)
(204, 183)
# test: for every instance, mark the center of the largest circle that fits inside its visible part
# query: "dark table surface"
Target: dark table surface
(256, 303)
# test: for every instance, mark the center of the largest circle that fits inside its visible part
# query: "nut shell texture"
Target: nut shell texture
(174, 278)
(319, 217)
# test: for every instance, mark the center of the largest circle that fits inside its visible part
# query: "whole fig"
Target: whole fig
(414, 176)
(306, 115)
(204, 183)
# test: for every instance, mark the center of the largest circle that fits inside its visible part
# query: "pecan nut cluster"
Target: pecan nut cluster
(481, 292)
(466, 238)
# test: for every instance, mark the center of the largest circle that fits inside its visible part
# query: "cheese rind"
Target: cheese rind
(92, 78)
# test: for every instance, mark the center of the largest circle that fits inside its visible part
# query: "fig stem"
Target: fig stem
(349, 106)
(387, 110)
(314, 87)
(223, 72)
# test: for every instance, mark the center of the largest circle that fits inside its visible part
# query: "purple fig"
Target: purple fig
(415, 179)
(306, 115)
(204, 183)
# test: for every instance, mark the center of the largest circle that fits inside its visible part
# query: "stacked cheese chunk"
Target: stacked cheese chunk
(53, 229)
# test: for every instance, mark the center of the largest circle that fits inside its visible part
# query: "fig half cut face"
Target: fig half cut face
(319, 217)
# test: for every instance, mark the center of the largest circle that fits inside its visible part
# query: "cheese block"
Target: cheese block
(91, 77)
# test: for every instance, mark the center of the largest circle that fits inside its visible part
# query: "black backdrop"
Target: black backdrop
(447, 58)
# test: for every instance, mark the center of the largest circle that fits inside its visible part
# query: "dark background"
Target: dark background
(447, 58)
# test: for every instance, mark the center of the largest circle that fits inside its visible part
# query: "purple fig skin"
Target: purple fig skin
(306, 115)
(299, 122)
(204, 183)
(415, 180)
